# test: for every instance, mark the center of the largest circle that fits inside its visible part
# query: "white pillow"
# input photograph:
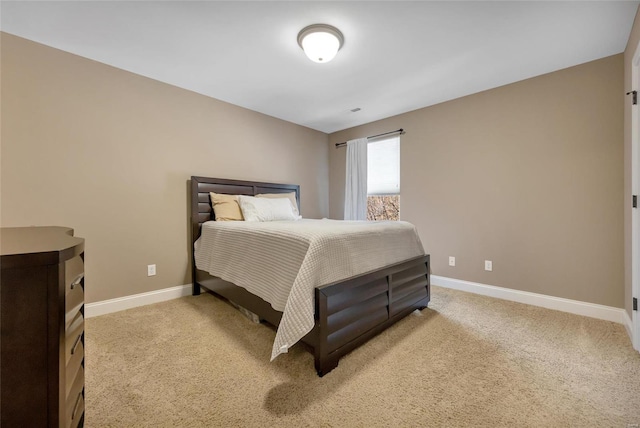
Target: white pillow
(291, 196)
(265, 209)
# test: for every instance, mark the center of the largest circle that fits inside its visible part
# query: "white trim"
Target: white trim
(565, 305)
(628, 324)
(635, 182)
(577, 307)
(135, 300)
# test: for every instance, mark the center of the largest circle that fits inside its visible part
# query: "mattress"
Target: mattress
(284, 261)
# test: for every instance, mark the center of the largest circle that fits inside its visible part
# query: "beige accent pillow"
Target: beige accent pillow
(225, 207)
(291, 196)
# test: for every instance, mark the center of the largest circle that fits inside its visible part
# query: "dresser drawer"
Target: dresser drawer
(73, 336)
(74, 364)
(73, 303)
(73, 273)
(75, 400)
(77, 416)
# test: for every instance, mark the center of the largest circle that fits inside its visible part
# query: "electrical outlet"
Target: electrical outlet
(488, 265)
(151, 270)
(452, 261)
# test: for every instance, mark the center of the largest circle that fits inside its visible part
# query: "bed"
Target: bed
(346, 313)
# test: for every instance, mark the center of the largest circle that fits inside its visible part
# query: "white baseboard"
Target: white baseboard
(577, 307)
(592, 310)
(628, 324)
(133, 301)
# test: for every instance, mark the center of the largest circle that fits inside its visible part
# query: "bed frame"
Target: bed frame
(348, 312)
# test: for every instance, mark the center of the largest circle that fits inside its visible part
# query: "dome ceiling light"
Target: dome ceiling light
(320, 42)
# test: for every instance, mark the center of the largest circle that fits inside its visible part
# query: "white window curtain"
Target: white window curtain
(355, 194)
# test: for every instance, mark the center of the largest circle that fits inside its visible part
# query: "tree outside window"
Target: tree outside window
(383, 207)
(383, 179)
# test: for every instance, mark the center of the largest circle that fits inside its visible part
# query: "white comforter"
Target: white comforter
(283, 261)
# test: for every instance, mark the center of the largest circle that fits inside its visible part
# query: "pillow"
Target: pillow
(265, 209)
(291, 196)
(225, 207)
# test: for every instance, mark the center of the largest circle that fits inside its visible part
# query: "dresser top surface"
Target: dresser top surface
(35, 240)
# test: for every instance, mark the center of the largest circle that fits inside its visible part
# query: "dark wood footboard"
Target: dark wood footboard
(348, 312)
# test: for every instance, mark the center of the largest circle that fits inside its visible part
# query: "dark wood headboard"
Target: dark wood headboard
(201, 209)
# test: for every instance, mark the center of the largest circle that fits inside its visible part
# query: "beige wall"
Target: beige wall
(629, 52)
(528, 175)
(109, 153)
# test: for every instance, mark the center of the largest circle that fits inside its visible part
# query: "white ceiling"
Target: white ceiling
(397, 57)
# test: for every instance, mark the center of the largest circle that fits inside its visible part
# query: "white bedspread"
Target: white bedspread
(283, 261)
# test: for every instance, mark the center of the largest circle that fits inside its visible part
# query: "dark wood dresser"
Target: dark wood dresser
(42, 323)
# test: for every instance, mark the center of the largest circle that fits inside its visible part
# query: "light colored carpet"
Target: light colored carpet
(467, 360)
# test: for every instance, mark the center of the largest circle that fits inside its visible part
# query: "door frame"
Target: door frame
(635, 187)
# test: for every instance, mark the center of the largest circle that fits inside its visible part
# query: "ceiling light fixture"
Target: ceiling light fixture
(320, 42)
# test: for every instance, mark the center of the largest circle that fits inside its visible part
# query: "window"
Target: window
(383, 179)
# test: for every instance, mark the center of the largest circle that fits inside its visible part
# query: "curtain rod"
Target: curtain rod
(397, 131)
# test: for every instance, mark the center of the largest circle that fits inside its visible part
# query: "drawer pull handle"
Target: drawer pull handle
(75, 345)
(77, 280)
(75, 406)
